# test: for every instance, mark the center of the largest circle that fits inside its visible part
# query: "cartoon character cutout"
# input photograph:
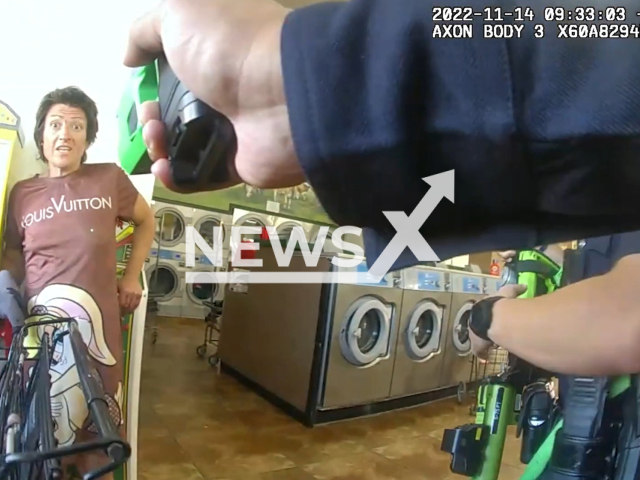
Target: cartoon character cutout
(124, 232)
(68, 405)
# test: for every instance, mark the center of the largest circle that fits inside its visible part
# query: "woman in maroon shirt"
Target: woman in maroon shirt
(60, 243)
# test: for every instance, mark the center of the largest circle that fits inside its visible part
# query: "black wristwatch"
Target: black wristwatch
(482, 316)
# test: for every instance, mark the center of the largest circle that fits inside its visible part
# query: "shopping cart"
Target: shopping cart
(29, 448)
(211, 331)
(151, 321)
(496, 363)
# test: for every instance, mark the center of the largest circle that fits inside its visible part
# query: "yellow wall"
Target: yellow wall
(25, 165)
(9, 149)
(11, 142)
(17, 160)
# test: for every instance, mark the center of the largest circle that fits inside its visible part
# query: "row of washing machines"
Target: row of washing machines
(404, 336)
(333, 346)
(166, 264)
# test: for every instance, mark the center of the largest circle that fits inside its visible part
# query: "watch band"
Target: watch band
(482, 316)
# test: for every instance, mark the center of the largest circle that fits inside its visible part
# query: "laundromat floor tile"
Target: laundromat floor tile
(163, 471)
(286, 474)
(420, 454)
(241, 466)
(511, 453)
(196, 424)
(158, 446)
(306, 446)
(366, 466)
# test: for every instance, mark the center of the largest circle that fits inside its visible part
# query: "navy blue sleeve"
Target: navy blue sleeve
(543, 133)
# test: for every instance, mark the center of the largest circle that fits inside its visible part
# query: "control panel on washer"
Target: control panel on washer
(492, 284)
(465, 283)
(425, 280)
(390, 280)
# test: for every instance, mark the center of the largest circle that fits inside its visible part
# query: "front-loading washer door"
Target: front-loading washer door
(460, 330)
(285, 230)
(173, 227)
(163, 282)
(205, 227)
(423, 332)
(366, 331)
(202, 292)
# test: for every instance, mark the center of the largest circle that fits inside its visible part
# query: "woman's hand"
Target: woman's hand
(129, 293)
(480, 347)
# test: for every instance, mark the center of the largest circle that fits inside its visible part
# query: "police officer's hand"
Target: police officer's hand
(511, 291)
(228, 54)
(507, 256)
(479, 346)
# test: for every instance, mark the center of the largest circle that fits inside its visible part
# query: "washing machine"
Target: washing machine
(329, 245)
(204, 221)
(466, 288)
(197, 293)
(492, 284)
(497, 356)
(246, 218)
(173, 220)
(284, 227)
(165, 276)
(361, 333)
(426, 303)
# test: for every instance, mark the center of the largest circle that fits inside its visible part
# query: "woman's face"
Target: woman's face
(64, 139)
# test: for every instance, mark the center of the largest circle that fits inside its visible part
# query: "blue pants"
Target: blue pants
(600, 254)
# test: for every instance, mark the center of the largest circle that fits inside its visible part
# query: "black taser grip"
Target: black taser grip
(201, 141)
(628, 461)
(535, 419)
(573, 267)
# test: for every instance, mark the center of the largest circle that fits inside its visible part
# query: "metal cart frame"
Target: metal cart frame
(496, 363)
(29, 447)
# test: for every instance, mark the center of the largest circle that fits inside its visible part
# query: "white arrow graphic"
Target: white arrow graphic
(408, 228)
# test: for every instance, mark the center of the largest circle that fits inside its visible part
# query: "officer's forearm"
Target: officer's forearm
(588, 328)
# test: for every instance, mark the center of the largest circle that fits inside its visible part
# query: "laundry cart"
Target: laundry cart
(498, 356)
(166, 279)
(33, 447)
(467, 288)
